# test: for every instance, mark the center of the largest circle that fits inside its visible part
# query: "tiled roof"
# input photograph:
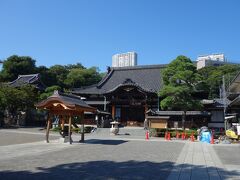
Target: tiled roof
(70, 99)
(177, 113)
(216, 103)
(33, 79)
(236, 101)
(235, 84)
(67, 99)
(147, 78)
(220, 103)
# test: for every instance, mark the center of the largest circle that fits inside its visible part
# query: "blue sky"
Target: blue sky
(91, 31)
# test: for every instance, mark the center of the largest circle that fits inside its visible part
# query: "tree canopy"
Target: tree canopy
(17, 65)
(56, 77)
(82, 77)
(180, 78)
(64, 76)
(15, 99)
(212, 78)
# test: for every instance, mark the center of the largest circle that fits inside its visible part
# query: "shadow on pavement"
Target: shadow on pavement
(107, 170)
(105, 142)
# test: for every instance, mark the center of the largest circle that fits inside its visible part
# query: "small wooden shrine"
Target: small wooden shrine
(66, 107)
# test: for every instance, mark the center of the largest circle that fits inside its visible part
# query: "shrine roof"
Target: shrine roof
(32, 79)
(147, 77)
(67, 99)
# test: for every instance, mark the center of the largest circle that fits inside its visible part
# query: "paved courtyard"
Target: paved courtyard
(112, 158)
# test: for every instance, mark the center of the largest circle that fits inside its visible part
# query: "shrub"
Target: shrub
(155, 132)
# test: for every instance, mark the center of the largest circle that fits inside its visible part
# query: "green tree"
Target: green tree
(82, 77)
(16, 65)
(75, 66)
(212, 78)
(49, 91)
(17, 99)
(48, 78)
(180, 78)
(59, 73)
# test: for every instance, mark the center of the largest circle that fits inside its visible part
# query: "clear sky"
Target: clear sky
(91, 31)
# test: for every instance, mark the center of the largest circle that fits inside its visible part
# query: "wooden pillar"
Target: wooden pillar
(69, 129)
(62, 122)
(48, 127)
(146, 106)
(82, 128)
(113, 111)
(59, 120)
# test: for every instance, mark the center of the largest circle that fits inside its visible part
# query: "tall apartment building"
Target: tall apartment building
(124, 59)
(211, 60)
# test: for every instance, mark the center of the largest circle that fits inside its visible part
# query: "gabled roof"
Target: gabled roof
(72, 102)
(33, 79)
(147, 78)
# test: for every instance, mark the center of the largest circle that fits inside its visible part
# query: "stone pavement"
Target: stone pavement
(114, 157)
(229, 156)
(199, 161)
(98, 158)
(21, 136)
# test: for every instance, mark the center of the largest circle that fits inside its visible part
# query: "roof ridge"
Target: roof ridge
(105, 78)
(142, 76)
(33, 77)
(66, 94)
(26, 75)
(140, 67)
(85, 87)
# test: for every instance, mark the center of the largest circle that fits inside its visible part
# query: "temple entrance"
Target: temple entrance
(129, 104)
(132, 115)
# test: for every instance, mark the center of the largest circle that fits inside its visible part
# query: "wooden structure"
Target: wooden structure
(126, 92)
(65, 107)
(158, 121)
(173, 119)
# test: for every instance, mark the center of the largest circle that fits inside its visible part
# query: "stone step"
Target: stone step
(132, 131)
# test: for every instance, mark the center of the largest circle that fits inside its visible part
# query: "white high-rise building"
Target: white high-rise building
(211, 60)
(124, 59)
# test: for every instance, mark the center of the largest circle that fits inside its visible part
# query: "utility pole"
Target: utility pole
(224, 98)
